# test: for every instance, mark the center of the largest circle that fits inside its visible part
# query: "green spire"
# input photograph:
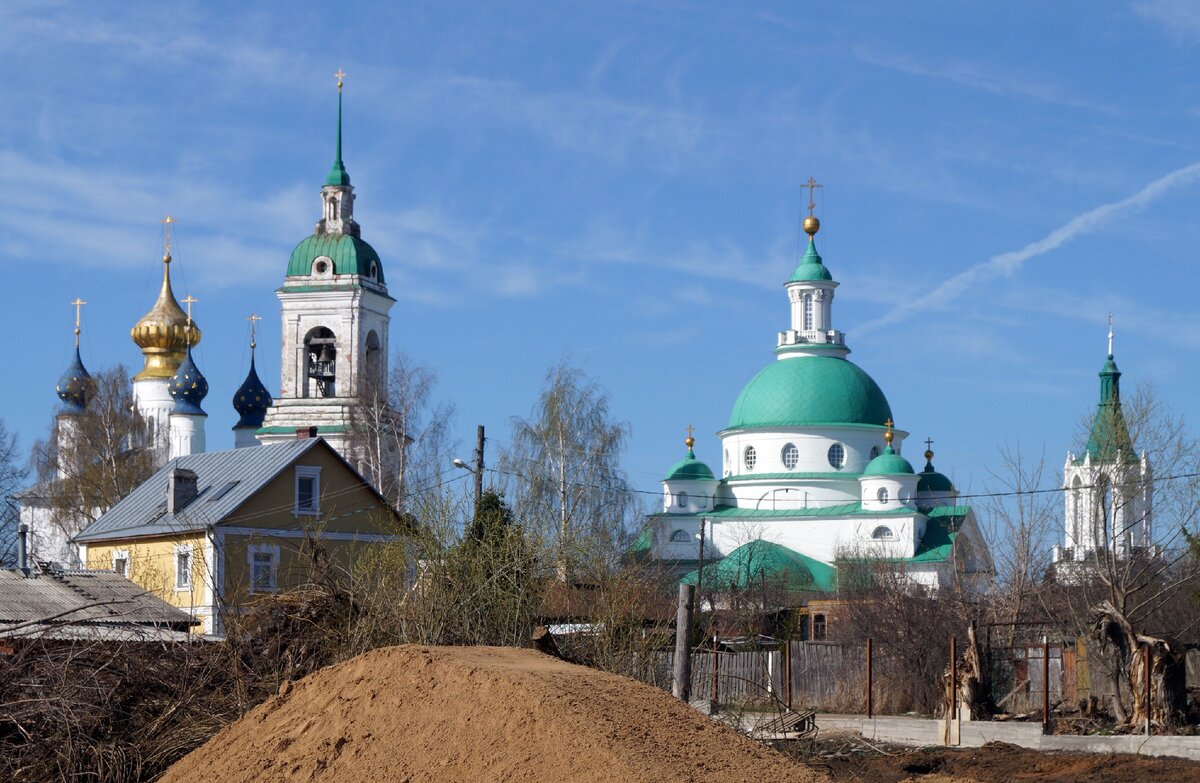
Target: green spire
(337, 173)
(1108, 439)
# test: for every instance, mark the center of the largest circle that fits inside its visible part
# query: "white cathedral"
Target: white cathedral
(812, 475)
(334, 309)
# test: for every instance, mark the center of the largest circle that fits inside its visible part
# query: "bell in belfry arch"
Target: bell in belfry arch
(327, 354)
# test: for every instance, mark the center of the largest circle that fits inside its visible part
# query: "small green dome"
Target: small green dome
(810, 267)
(889, 463)
(350, 256)
(690, 469)
(810, 390)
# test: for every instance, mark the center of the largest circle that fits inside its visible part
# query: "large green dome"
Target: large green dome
(350, 256)
(810, 390)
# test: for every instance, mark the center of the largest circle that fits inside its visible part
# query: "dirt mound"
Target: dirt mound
(477, 714)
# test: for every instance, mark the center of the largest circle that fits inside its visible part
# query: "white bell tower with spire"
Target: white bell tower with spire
(335, 308)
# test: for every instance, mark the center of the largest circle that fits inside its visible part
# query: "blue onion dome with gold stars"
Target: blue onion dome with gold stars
(188, 388)
(931, 480)
(689, 468)
(251, 400)
(74, 386)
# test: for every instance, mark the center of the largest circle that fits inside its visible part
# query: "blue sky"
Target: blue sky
(620, 182)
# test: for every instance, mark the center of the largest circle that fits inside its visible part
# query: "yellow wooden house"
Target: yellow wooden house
(209, 532)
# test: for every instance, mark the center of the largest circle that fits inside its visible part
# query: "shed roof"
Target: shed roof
(81, 597)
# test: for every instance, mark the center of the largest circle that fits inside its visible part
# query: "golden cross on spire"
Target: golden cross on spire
(254, 318)
(689, 440)
(167, 222)
(812, 189)
(887, 436)
(341, 75)
(78, 303)
(189, 300)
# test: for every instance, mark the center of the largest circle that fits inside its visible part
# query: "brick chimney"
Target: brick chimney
(305, 432)
(181, 489)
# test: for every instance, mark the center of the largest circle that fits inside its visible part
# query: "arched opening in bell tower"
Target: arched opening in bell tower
(320, 351)
(373, 381)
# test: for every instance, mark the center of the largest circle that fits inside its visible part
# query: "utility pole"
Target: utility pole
(479, 440)
(700, 568)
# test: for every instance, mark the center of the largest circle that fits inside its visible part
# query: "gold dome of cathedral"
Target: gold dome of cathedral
(165, 333)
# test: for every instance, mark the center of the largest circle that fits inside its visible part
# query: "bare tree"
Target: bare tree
(403, 432)
(565, 466)
(12, 476)
(1024, 519)
(101, 457)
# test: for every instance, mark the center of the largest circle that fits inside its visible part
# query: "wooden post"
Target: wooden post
(716, 689)
(787, 672)
(1045, 684)
(681, 688)
(478, 466)
(1149, 703)
(870, 693)
(953, 680)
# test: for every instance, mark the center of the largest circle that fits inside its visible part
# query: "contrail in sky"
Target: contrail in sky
(1009, 263)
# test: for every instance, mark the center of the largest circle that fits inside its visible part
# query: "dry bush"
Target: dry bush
(106, 711)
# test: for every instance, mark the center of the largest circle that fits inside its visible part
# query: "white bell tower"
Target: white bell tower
(334, 307)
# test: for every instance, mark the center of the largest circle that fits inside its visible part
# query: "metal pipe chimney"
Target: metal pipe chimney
(23, 549)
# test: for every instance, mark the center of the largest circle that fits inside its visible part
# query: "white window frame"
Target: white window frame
(840, 450)
(260, 549)
(189, 550)
(793, 450)
(121, 554)
(750, 458)
(308, 472)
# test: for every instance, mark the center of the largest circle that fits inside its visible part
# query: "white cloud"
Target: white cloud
(1008, 264)
(977, 77)
(1177, 18)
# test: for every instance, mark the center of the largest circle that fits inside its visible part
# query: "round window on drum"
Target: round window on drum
(751, 458)
(837, 456)
(791, 456)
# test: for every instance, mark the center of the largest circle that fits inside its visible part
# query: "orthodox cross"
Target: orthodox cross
(167, 221)
(189, 301)
(79, 303)
(812, 187)
(253, 319)
(340, 76)
(1110, 334)
(929, 444)
(691, 430)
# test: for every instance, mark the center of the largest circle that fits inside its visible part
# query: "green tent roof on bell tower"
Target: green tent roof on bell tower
(337, 173)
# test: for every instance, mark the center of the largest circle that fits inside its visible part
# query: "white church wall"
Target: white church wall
(813, 449)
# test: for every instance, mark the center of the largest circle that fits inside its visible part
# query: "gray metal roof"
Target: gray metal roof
(226, 479)
(81, 597)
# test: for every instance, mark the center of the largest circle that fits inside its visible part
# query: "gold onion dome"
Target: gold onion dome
(164, 334)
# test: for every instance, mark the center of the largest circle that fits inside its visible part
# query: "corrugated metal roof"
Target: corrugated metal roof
(226, 479)
(101, 633)
(74, 597)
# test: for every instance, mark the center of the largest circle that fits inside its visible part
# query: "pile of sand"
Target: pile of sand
(477, 714)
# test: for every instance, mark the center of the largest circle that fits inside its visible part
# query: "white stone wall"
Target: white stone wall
(187, 435)
(154, 402)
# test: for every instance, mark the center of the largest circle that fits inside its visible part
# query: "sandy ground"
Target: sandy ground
(478, 714)
(850, 759)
